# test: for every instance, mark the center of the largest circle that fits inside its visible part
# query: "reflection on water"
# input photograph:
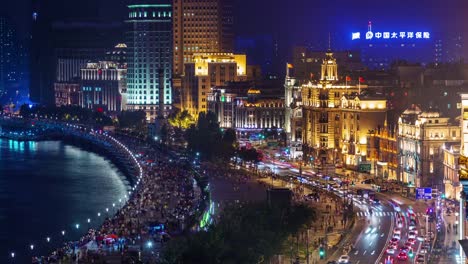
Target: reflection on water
(47, 187)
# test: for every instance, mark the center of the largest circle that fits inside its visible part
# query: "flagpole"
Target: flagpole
(359, 85)
(346, 86)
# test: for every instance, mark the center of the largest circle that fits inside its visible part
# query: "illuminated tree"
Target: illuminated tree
(182, 120)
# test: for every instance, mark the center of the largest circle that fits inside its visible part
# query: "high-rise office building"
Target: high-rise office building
(59, 40)
(8, 55)
(199, 27)
(149, 56)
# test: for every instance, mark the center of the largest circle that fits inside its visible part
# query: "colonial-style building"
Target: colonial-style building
(103, 84)
(259, 113)
(383, 152)
(421, 137)
(451, 181)
(293, 106)
(337, 117)
(67, 93)
(251, 112)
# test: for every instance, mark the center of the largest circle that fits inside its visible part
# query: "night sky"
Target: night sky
(293, 21)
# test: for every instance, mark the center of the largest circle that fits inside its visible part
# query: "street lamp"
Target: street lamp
(48, 239)
(12, 254)
(77, 226)
(31, 246)
(63, 232)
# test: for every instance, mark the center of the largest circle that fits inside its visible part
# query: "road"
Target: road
(372, 232)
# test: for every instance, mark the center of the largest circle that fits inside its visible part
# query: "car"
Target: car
(413, 228)
(376, 202)
(390, 250)
(402, 256)
(332, 262)
(411, 241)
(412, 234)
(397, 231)
(394, 240)
(399, 224)
(397, 236)
(404, 249)
(420, 258)
(408, 244)
(420, 238)
(423, 250)
(343, 259)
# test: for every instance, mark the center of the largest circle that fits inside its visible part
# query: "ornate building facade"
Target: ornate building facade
(293, 105)
(421, 140)
(337, 117)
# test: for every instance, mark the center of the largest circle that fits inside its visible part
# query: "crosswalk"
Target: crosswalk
(382, 214)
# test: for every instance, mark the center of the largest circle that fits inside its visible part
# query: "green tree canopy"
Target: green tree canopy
(244, 233)
(132, 119)
(207, 138)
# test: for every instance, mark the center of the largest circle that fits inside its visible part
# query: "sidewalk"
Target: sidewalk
(329, 228)
(451, 249)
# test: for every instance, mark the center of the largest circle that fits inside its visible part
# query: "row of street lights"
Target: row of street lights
(126, 198)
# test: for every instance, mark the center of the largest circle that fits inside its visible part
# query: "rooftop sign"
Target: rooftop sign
(369, 35)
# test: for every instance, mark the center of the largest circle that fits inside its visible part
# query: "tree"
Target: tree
(250, 155)
(207, 138)
(132, 119)
(244, 233)
(164, 133)
(181, 120)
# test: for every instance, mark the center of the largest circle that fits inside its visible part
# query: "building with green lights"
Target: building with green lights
(149, 56)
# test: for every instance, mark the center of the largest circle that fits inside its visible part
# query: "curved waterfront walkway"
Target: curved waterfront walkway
(163, 196)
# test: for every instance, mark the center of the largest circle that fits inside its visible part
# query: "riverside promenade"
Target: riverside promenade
(162, 202)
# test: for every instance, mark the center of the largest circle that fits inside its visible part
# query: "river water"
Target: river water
(47, 187)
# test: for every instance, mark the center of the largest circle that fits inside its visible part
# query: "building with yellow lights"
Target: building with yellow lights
(422, 137)
(293, 105)
(337, 117)
(452, 184)
(209, 70)
(454, 155)
(382, 151)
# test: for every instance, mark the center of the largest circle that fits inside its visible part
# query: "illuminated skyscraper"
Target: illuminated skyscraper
(8, 55)
(149, 60)
(200, 27)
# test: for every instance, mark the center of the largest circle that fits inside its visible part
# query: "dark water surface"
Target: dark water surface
(47, 187)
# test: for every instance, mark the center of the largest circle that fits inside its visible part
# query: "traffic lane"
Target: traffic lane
(372, 239)
(350, 239)
(404, 239)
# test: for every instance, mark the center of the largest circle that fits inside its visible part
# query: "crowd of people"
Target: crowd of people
(163, 204)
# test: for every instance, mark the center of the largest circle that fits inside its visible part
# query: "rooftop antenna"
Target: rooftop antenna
(329, 41)
(369, 26)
